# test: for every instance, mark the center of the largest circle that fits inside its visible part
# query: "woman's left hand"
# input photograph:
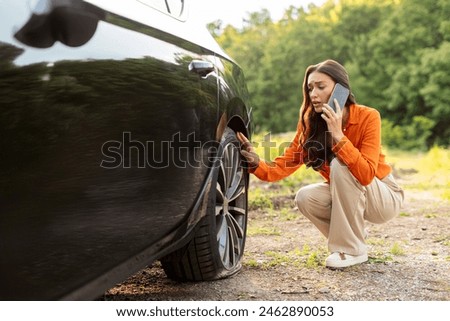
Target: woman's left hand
(334, 120)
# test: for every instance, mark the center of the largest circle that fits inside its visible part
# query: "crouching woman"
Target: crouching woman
(344, 146)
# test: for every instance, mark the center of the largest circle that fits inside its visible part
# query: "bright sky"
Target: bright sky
(233, 11)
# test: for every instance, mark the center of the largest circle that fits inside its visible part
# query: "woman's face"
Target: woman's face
(320, 86)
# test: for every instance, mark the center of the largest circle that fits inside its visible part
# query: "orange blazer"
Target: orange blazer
(359, 149)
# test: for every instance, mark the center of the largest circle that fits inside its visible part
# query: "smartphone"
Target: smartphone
(341, 94)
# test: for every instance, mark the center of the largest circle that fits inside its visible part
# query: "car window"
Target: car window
(174, 8)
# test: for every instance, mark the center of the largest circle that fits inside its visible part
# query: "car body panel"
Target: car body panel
(103, 168)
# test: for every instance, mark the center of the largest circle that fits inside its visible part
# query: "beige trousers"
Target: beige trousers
(339, 209)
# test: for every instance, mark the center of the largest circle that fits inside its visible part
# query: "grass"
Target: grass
(287, 214)
(397, 250)
(380, 258)
(376, 242)
(425, 170)
(379, 254)
(443, 239)
(277, 258)
(258, 199)
(262, 230)
(306, 258)
(430, 215)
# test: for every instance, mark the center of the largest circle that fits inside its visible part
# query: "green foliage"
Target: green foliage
(314, 260)
(427, 171)
(262, 230)
(397, 250)
(435, 90)
(413, 136)
(436, 160)
(380, 259)
(300, 258)
(259, 200)
(396, 53)
(252, 263)
(287, 214)
(446, 194)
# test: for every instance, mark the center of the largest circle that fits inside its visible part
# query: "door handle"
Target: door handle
(201, 67)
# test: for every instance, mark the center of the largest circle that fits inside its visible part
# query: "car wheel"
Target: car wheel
(218, 244)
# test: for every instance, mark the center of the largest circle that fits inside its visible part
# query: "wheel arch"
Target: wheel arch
(237, 124)
(234, 118)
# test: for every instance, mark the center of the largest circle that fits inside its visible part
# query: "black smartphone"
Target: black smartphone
(341, 94)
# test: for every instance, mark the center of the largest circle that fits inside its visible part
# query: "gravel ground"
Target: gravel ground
(409, 260)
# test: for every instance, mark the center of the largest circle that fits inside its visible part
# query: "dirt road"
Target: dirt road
(409, 259)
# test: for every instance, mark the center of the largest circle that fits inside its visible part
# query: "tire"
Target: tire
(217, 247)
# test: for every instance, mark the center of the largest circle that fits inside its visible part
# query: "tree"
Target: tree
(394, 50)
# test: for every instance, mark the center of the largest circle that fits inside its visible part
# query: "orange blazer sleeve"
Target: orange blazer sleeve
(284, 165)
(361, 147)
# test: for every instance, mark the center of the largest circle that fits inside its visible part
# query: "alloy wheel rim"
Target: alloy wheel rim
(231, 205)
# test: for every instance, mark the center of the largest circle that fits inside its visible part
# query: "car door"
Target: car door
(104, 115)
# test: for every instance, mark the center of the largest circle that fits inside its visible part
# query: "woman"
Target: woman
(344, 146)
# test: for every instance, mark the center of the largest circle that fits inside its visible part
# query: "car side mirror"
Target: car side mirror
(72, 22)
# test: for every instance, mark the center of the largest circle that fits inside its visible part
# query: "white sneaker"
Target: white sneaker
(341, 260)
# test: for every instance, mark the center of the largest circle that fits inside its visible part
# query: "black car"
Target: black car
(118, 147)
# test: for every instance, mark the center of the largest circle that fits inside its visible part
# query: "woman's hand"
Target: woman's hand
(248, 151)
(334, 120)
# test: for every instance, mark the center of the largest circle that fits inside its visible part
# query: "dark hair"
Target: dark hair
(315, 139)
